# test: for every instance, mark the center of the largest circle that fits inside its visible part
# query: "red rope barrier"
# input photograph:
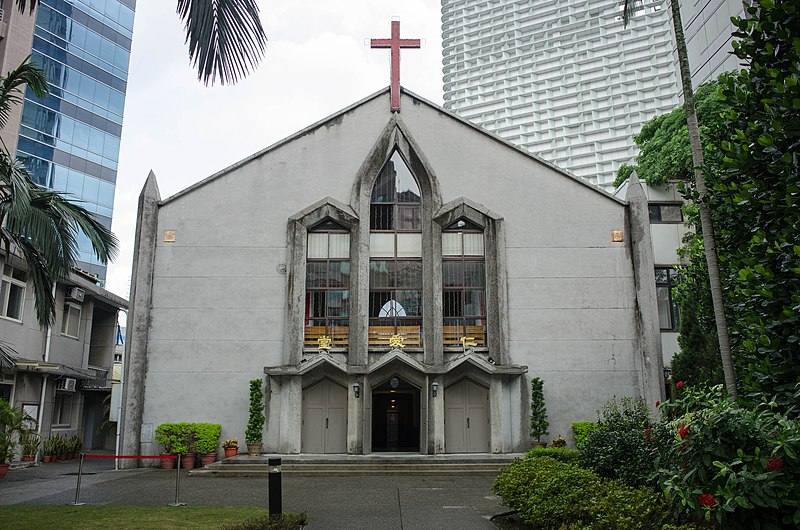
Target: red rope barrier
(163, 457)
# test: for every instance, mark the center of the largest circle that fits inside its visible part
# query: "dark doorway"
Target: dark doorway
(395, 417)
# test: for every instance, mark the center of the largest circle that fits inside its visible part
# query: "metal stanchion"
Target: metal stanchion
(274, 485)
(178, 483)
(78, 487)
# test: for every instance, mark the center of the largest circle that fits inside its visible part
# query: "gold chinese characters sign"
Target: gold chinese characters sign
(396, 341)
(324, 343)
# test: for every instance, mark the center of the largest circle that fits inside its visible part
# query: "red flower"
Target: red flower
(684, 431)
(658, 403)
(679, 384)
(706, 499)
(648, 435)
(775, 464)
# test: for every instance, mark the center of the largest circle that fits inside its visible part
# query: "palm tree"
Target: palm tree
(225, 37)
(41, 225)
(700, 184)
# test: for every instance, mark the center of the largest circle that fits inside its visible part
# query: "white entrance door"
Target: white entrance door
(324, 418)
(466, 420)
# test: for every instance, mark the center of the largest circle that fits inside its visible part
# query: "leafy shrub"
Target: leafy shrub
(207, 435)
(581, 430)
(539, 423)
(255, 425)
(737, 466)
(618, 447)
(176, 437)
(562, 454)
(547, 493)
(626, 508)
(558, 443)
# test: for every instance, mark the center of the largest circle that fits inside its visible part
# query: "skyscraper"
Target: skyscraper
(563, 79)
(70, 139)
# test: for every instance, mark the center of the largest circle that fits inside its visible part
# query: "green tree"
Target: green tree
(41, 225)
(225, 37)
(758, 195)
(710, 247)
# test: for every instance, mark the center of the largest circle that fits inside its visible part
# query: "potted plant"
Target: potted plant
(167, 436)
(184, 444)
(539, 423)
(48, 449)
(30, 442)
(255, 425)
(207, 441)
(12, 424)
(231, 447)
(76, 445)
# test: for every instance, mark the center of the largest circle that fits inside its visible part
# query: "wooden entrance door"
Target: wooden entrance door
(324, 418)
(466, 420)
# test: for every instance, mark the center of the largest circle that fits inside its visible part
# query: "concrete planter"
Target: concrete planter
(254, 449)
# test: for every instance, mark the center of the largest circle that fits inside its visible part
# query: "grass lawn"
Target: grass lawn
(131, 517)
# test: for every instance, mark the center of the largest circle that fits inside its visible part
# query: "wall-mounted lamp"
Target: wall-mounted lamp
(667, 372)
(435, 388)
(356, 389)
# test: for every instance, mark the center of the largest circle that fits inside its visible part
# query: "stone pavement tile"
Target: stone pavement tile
(352, 502)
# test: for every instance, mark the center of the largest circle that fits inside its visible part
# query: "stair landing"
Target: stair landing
(243, 465)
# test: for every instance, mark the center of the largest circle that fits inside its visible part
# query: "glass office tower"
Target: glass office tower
(70, 140)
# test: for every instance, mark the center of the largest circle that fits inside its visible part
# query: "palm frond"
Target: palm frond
(629, 10)
(11, 86)
(225, 37)
(39, 273)
(21, 5)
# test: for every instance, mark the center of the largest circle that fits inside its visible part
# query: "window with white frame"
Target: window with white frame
(71, 320)
(328, 285)
(12, 292)
(463, 285)
(62, 410)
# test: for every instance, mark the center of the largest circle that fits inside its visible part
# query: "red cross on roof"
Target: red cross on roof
(395, 43)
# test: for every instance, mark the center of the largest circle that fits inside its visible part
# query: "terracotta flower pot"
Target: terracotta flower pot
(230, 452)
(28, 458)
(167, 463)
(3, 470)
(47, 459)
(187, 460)
(207, 458)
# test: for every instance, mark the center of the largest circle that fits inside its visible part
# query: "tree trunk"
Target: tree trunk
(705, 213)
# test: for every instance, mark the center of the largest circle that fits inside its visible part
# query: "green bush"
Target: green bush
(581, 430)
(539, 423)
(255, 425)
(625, 508)
(562, 454)
(207, 435)
(548, 494)
(619, 447)
(176, 437)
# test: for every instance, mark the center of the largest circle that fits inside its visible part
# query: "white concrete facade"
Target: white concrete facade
(220, 276)
(563, 79)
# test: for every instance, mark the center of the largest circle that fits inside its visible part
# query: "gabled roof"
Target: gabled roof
(363, 101)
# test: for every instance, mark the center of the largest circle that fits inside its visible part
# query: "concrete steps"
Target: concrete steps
(327, 465)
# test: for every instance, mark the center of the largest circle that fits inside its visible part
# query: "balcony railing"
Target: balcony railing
(96, 384)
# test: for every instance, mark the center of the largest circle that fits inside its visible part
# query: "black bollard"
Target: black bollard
(274, 485)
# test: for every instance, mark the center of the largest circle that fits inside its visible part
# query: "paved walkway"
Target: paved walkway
(350, 502)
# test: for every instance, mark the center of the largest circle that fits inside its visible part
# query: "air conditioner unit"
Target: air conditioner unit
(76, 293)
(68, 384)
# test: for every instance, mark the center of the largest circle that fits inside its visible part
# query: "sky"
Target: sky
(318, 61)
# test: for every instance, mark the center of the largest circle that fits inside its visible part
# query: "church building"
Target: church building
(396, 276)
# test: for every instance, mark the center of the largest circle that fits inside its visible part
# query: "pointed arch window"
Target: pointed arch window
(463, 285)
(327, 308)
(395, 267)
